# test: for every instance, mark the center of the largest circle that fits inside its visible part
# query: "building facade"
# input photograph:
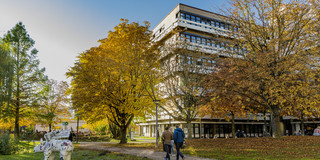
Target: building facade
(208, 33)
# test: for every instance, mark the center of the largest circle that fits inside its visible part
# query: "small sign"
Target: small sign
(64, 123)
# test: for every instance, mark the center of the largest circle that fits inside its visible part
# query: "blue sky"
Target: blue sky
(64, 28)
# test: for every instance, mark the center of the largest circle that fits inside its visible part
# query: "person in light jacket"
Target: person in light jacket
(166, 138)
(178, 137)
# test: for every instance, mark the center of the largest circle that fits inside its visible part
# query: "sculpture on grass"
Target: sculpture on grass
(52, 144)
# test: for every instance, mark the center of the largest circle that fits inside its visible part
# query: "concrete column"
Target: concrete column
(151, 130)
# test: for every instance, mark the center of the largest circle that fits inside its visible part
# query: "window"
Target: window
(189, 60)
(193, 38)
(198, 19)
(222, 45)
(209, 63)
(188, 17)
(182, 37)
(217, 44)
(217, 24)
(222, 25)
(204, 41)
(183, 15)
(203, 21)
(208, 42)
(198, 40)
(213, 23)
(214, 43)
(208, 22)
(228, 26)
(199, 62)
(193, 18)
(188, 38)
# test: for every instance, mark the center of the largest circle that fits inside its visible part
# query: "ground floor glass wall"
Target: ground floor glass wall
(224, 130)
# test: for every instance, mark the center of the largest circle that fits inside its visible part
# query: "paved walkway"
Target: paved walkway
(155, 155)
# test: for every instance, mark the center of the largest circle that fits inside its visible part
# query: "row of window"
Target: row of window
(199, 61)
(207, 21)
(207, 41)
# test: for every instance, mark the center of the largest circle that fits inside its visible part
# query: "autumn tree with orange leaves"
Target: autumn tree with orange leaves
(276, 67)
(55, 105)
(222, 102)
(107, 80)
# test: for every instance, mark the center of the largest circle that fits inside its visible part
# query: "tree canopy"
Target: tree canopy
(26, 74)
(55, 105)
(106, 80)
(276, 68)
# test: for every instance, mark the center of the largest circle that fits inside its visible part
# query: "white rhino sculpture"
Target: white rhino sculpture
(65, 147)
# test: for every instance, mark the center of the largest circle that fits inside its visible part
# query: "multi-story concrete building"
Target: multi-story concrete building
(208, 33)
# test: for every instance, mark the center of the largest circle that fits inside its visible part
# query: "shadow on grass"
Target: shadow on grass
(76, 155)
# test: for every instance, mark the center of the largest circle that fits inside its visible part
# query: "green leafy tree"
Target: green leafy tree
(6, 77)
(27, 74)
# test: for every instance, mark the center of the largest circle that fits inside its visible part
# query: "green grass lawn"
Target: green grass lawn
(26, 153)
(76, 155)
(105, 138)
(141, 137)
(293, 147)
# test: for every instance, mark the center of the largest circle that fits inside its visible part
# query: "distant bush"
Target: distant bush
(101, 129)
(94, 138)
(7, 145)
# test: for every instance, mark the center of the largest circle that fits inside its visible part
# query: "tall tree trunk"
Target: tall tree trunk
(189, 129)
(124, 128)
(233, 128)
(16, 122)
(50, 126)
(302, 124)
(265, 124)
(17, 116)
(123, 137)
(276, 132)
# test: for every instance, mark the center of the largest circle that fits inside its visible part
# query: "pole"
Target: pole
(77, 127)
(156, 124)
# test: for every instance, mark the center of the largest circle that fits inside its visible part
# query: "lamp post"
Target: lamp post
(156, 102)
(78, 114)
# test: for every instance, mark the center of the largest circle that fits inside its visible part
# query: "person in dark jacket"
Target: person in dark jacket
(70, 136)
(178, 137)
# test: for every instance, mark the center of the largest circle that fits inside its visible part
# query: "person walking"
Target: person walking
(166, 139)
(172, 142)
(178, 137)
(316, 131)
